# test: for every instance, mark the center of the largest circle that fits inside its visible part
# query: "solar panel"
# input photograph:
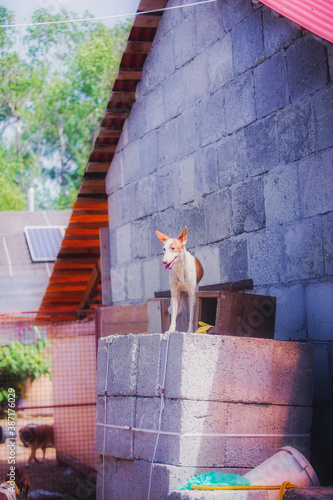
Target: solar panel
(44, 242)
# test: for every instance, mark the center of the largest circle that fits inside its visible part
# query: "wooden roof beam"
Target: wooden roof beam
(91, 287)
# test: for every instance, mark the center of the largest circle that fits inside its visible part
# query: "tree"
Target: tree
(55, 99)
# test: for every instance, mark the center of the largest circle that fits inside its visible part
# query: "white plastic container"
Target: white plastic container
(288, 464)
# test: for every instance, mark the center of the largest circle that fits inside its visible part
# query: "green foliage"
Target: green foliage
(53, 100)
(20, 363)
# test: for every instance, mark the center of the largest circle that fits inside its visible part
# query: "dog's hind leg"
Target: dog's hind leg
(174, 311)
(191, 306)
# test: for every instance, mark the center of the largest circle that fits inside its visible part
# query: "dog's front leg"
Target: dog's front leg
(174, 310)
(191, 297)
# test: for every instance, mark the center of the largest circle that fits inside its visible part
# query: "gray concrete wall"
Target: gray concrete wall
(231, 417)
(231, 135)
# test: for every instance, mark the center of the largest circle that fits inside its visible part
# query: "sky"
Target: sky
(23, 9)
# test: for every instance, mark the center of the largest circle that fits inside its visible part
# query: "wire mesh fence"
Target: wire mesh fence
(48, 401)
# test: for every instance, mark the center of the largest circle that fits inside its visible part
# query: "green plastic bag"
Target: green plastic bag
(214, 478)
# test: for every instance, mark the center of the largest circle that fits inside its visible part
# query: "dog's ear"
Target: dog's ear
(183, 236)
(162, 237)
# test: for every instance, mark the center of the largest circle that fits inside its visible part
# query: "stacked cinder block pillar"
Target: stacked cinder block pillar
(228, 403)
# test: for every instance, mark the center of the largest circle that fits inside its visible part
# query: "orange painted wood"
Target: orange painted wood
(151, 5)
(137, 47)
(106, 132)
(146, 21)
(129, 74)
(97, 166)
(118, 96)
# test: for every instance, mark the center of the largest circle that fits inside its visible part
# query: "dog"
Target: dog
(37, 436)
(186, 272)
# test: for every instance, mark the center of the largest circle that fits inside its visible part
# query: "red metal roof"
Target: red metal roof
(314, 15)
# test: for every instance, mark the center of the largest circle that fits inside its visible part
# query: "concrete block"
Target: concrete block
(322, 382)
(149, 369)
(151, 274)
(292, 376)
(290, 321)
(311, 493)
(247, 43)
(232, 160)
(146, 196)
(167, 186)
(278, 31)
(131, 162)
(248, 207)
(282, 204)
(130, 202)
(213, 106)
(187, 180)
(233, 259)
(207, 169)
(120, 479)
(123, 363)
(222, 72)
(115, 411)
(209, 258)
(135, 130)
(195, 220)
(118, 284)
(115, 209)
(148, 153)
(196, 80)
(306, 67)
(327, 222)
(239, 103)
(324, 117)
(296, 142)
(319, 300)
(230, 369)
(188, 124)
(174, 89)
(316, 184)
(270, 83)
(266, 256)
(184, 417)
(239, 369)
(115, 178)
(208, 24)
(302, 244)
(204, 418)
(218, 203)
(168, 142)
(134, 281)
(123, 237)
(185, 40)
(140, 238)
(154, 109)
(102, 361)
(232, 13)
(261, 151)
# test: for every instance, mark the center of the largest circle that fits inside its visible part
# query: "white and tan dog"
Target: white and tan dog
(186, 273)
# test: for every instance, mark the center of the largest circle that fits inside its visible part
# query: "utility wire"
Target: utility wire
(132, 14)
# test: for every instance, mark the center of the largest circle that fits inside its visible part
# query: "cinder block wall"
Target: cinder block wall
(231, 134)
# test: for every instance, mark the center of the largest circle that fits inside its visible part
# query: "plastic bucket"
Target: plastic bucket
(288, 464)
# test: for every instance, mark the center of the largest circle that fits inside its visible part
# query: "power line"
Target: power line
(132, 14)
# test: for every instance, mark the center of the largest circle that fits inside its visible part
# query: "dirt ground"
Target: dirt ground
(56, 480)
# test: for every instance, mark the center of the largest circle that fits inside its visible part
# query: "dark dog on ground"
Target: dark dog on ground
(37, 436)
